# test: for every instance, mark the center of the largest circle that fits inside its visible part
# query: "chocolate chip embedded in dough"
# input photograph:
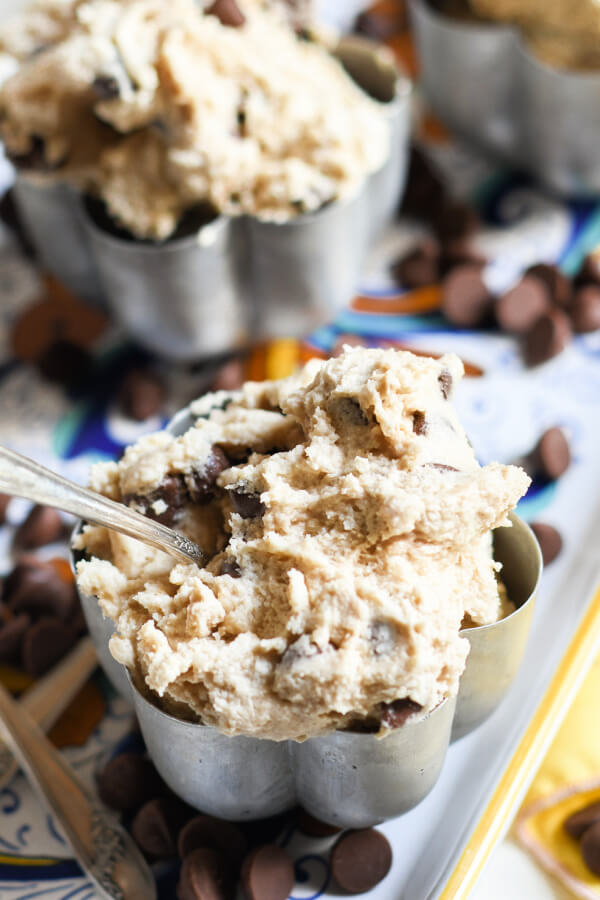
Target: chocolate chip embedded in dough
(445, 381)
(396, 713)
(360, 860)
(201, 483)
(204, 877)
(44, 643)
(141, 395)
(551, 456)
(34, 159)
(420, 426)
(442, 467)
(267, 874)
(227, 12)
(347, 411)
(214, 834)
(106, 87)
(12, 633)
(248, 505)
(518, 309)
(590, 848)
(230, 567)
(127, 781)
(466, 300)
(547, 337)
(549, 539)
(580, 821)
(585, 309)
(171, 492)
(558, 285)
(42, 526)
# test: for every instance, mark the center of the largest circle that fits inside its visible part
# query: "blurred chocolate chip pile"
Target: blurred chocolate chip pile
(584, 826)
(548, 461)
(217, 855)
(544, 309)
(40, 613)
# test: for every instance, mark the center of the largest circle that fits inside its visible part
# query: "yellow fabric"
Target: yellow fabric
(568, 780)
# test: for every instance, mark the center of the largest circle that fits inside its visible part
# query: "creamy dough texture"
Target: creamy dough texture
(156, 106)
(347, 523)
(563, 33)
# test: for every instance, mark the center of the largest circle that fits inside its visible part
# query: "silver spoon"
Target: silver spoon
(106, 852)
(23, 477)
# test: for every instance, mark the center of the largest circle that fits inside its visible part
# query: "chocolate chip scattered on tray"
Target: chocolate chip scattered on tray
(65, 363)
(4, 501)
(547, 337)
(216, 834)
(44, 643)
(155, 825)
(35, 587)
(549, 539)
(204, 877)
(360, 860)
(585, 309)
(127, 781)
(557, 283)
(590, 848)
(308, 824)
(420, 266)
(42, 526)
(518, 309)
(589, 272)
(551, 456)
(267, 874)
(579, 821)
(425, 188)
(142, 394)
(230, 376)
(466, 300)
(12, 633)
(455, 219)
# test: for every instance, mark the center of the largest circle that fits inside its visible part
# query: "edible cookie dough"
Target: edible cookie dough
(347, 523)
(156, 107)
(564, 33)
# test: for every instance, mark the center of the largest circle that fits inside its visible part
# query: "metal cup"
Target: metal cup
(485, 84)
(101, 630)
(497, 650)
(53, 217)
(181, 299)
(373, 67)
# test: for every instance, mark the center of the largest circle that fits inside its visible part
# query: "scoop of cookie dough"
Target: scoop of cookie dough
(155, 107)
(348, 527)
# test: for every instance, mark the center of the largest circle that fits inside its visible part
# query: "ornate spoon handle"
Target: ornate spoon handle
(104, 850)
(23, 477)
(51, 695)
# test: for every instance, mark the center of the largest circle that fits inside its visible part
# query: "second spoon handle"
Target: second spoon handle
(23, 477)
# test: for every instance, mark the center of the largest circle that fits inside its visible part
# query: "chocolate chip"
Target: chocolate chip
(347, 411)
(201, 482)
(229, 377)
(127, 781)
(445, 382)
(142, 394)
(455, 220)
(35, 587)
(214, 834)
(227, 12)
(558, 285)
(580, 821)
(247, 505)
(171, 492)
(590, 848)
(265, 831)
(425, 192)
(155, 825)
(518, 309)
(549, 539)
(34, 159)
(396, 713)
(267, 874)
(420, 267)
(12, 633)
(360, 860)
(4, 501)
(466, 301)
(547, 337)
(589, 273)
(459, 251)
(106, 87)
(376, 26)
(419, 423)
(313, 827)
(42, 526)
(585, 309)
(204, 877)
(551, 456)
(230, 567)
(44, 643)
(65, 363)
(443, 467)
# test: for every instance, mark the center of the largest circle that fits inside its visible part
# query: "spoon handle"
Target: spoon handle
(104, 850)
(23, 477)
(51, 695)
